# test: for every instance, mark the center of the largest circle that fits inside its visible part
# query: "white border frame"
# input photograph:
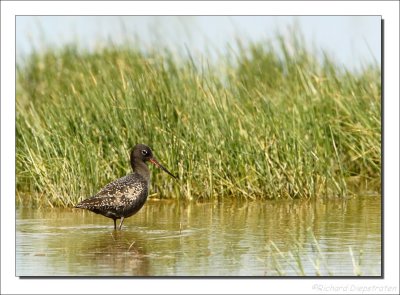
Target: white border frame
(390, 13)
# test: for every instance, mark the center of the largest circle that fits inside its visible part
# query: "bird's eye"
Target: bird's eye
(144, 152)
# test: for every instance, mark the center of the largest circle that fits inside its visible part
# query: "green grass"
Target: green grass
(260, 122)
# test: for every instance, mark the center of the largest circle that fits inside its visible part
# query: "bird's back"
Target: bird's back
(120, 198)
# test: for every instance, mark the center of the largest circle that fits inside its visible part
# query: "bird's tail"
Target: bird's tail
(80, 205)
(83, 204)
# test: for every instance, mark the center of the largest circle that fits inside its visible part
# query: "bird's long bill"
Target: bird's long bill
(155, 162)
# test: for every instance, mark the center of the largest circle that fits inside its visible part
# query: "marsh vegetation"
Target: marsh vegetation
(260, 122)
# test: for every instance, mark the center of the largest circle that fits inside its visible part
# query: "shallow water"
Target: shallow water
(168, 238)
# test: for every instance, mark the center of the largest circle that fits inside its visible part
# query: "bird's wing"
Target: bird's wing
(119, 186)
(116, 193)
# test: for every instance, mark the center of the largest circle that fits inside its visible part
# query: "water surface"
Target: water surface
(169, 238)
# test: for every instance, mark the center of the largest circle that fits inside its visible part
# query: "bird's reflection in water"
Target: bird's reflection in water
(121, 252)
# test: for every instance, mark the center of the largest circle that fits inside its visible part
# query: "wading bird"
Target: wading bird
(125, 196)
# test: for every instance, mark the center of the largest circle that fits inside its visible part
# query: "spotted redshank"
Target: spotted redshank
(125, 196)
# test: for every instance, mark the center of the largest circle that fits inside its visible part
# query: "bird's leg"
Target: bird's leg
(115, 223)
(120, 224)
